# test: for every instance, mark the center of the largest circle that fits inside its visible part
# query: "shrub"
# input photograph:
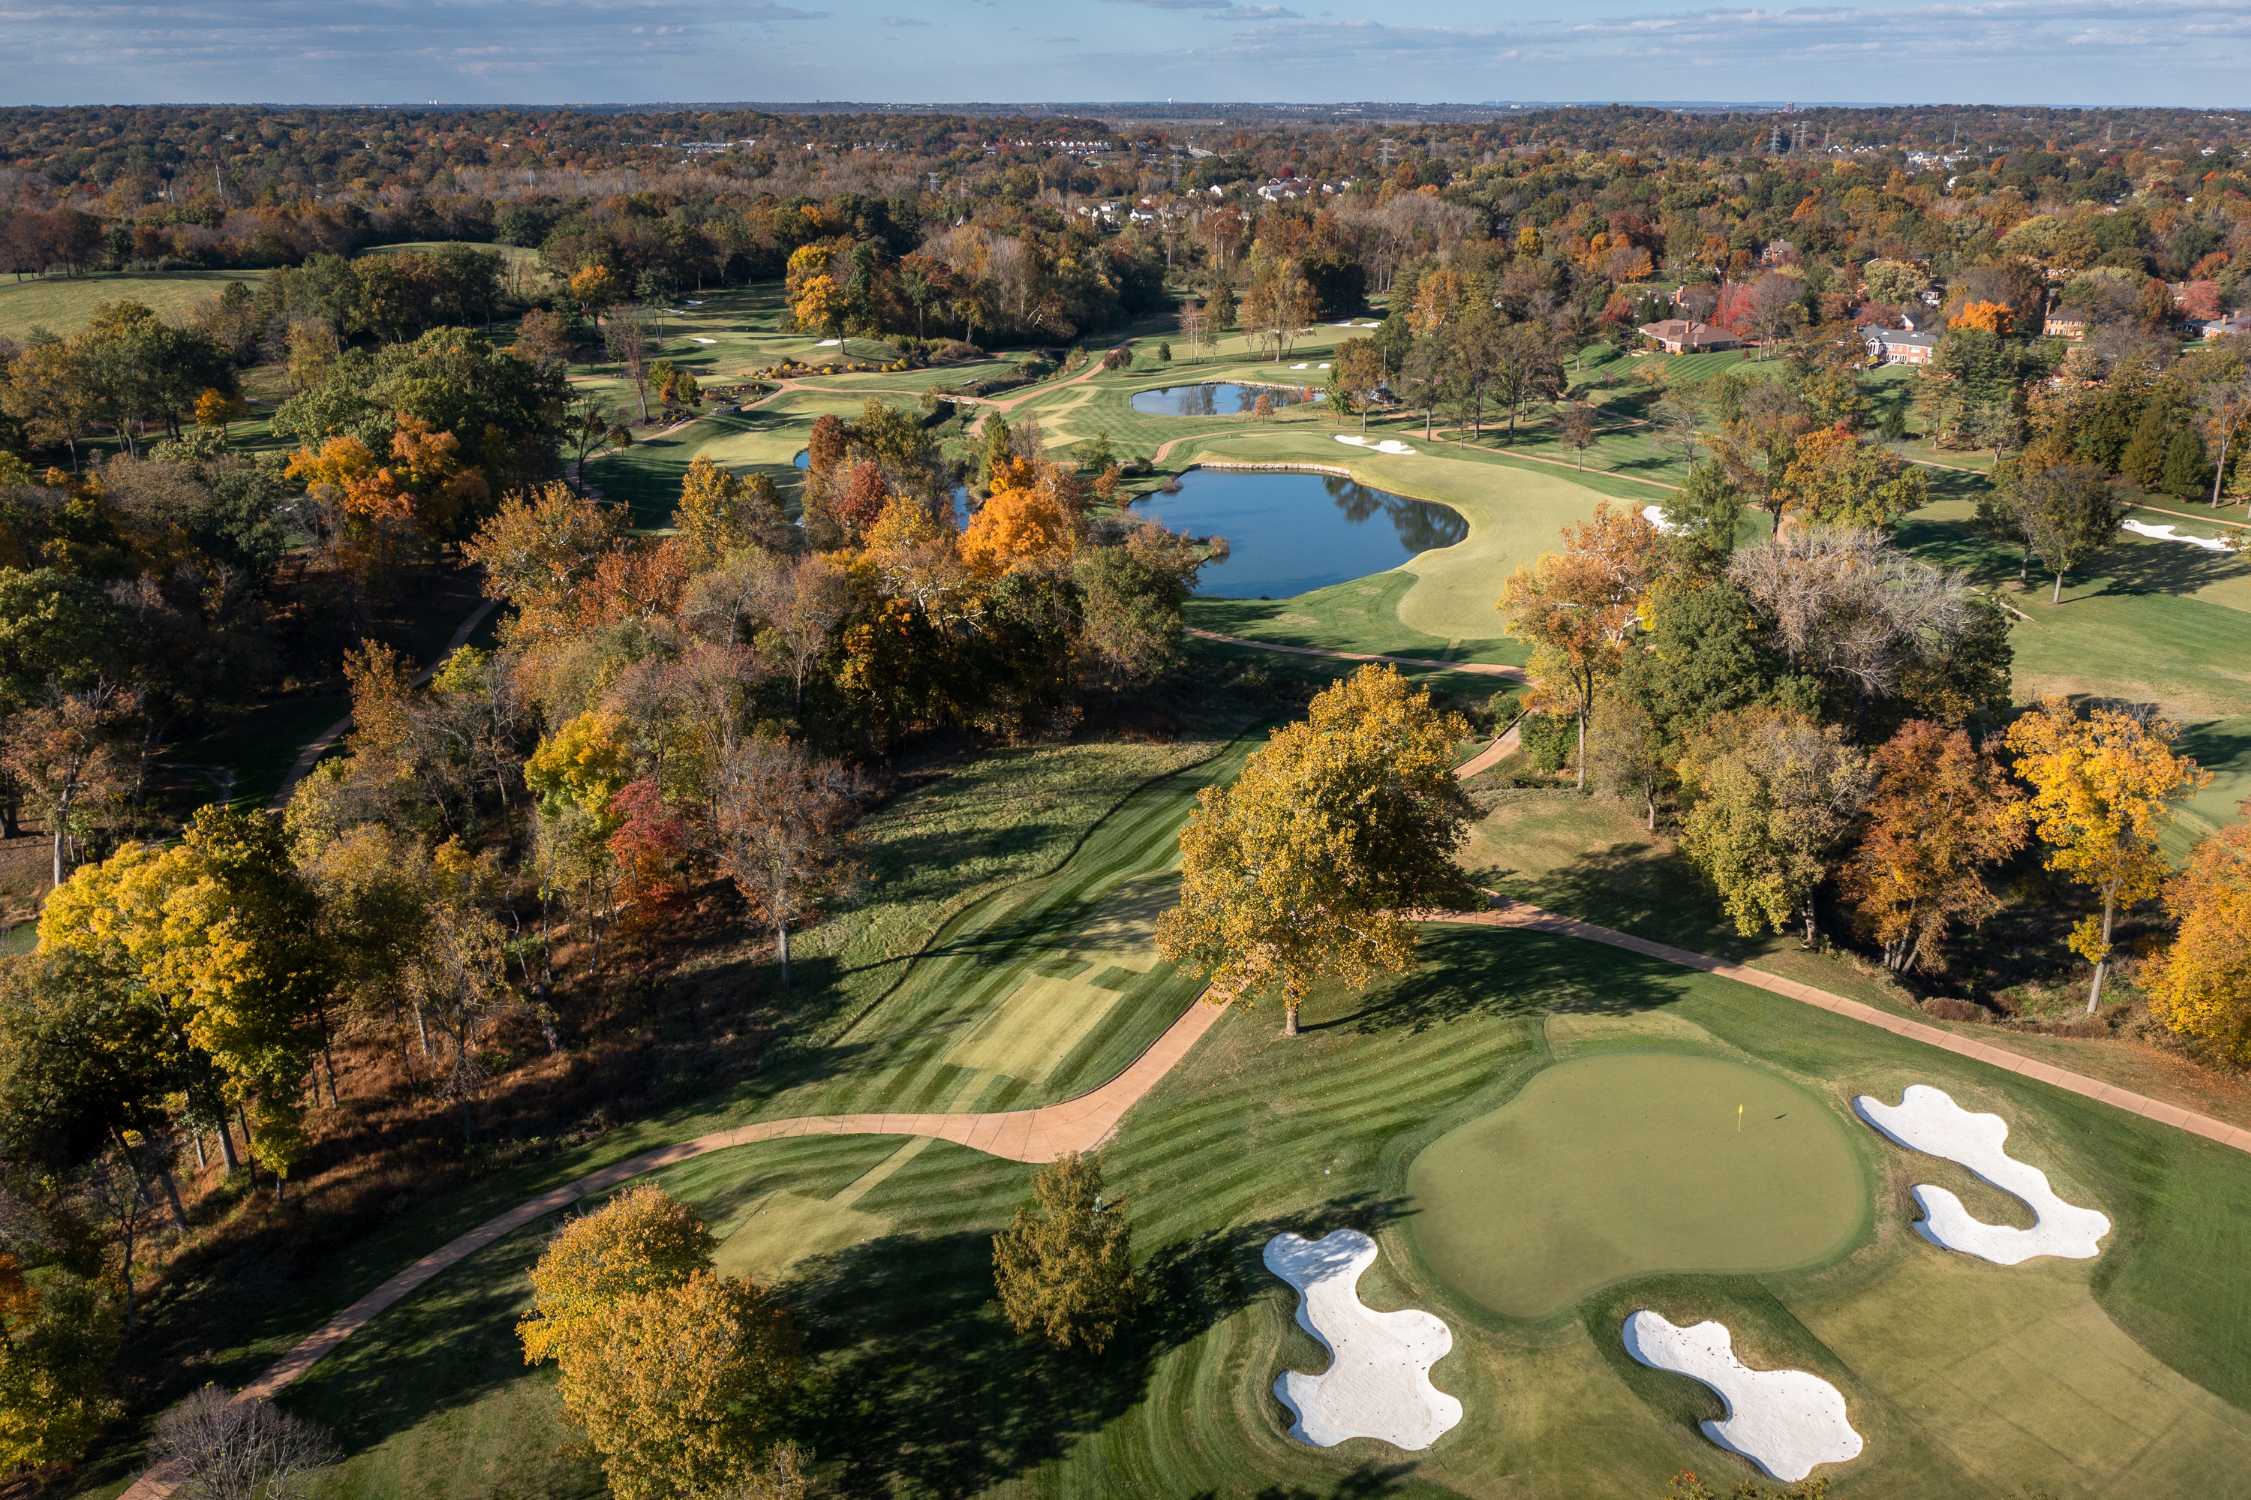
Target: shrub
(1952, 1008)
(1548, 740)
(1064, 1266)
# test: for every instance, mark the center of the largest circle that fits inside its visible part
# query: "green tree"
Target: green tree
(2064, 512)
(1307, 867)
(59, 1338)
(1064, 1265)
(1772, 796)
(1355, 375)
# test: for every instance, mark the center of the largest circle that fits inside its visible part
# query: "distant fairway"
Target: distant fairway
(1631, 1164)
(65, 304)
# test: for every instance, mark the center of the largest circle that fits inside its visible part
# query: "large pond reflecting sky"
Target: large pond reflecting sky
(1287, 533)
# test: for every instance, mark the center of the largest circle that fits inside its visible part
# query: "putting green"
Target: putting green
(1629, 1164)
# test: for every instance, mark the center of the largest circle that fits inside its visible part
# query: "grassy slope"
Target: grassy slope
(65, 304)
(1967, 1379)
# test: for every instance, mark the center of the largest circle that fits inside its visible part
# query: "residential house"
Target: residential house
(2060, 324)
(1901, 346)
(2236, 325)
(1681, 336)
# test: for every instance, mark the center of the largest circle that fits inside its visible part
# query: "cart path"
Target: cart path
(1027, 1135)
(1083, 1123)
(1523, 914)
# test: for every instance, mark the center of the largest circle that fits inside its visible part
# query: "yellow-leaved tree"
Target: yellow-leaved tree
(2100, 783)
(1577, 608)
(677, 1375)
(2201, 984)
(221, 932)
(1308, 867)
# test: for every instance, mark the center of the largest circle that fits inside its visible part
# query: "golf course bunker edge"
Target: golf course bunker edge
(1629, 1164)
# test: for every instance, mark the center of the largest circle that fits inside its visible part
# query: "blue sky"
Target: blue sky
(2186, 52)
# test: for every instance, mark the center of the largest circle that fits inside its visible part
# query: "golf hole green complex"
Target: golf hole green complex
(1634, 1164)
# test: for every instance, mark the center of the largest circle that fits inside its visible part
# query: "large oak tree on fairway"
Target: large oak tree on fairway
(2100, 784)
(1309, 866)
(2065, 513)
(1577, 607)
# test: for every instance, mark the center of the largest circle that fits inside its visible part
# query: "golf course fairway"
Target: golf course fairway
(1632, 1164)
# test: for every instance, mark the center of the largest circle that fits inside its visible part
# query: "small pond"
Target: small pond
(1287, 533)
(1221, 398)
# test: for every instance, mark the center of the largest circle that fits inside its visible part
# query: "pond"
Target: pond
(1218, 398)
(1287, 533)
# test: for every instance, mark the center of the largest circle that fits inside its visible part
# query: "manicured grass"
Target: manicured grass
(2126, 1375)
(2149, 621)
(65, 304)
(1627, 1163)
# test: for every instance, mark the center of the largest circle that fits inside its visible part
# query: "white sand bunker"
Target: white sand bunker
(1388, 445)
(829, 344)
(1301, 365)
(1655, 516)
(1378, 1381)
(1928, 1120)
(1786, 1421)
(695, 338)
(2165, 532)
(1323, 365)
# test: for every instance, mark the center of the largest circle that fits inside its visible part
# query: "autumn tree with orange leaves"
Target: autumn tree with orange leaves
(2201, 984)
(1577, 607)
(1941, 814)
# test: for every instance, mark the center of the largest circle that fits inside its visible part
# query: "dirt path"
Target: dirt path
(1492, 755)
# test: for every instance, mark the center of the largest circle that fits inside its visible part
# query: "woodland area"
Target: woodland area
(548, 882)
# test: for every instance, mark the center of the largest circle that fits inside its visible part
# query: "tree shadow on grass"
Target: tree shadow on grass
(1363, 1483)
(923, 1389)
(2161, 568)
(1478, 971)
(1639, 887)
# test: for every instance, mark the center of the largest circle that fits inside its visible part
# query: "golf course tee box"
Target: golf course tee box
(1629, 1164)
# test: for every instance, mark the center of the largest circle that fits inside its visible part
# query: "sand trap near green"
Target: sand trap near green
(1632, 1164)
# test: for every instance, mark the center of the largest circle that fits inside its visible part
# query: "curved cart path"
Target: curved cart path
(1523, 914)
(1030, 1135)
(327, 739)
(1085, 1122)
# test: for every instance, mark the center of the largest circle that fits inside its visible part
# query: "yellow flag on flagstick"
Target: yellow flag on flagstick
(1738, 1119)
